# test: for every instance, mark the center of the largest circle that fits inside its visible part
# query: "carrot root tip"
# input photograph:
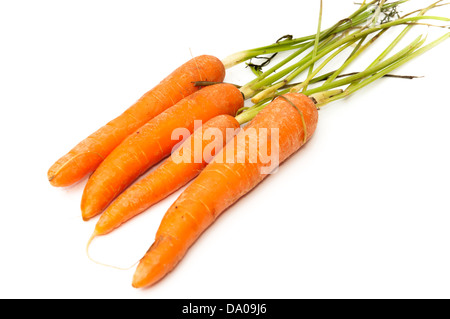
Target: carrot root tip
(100, 263)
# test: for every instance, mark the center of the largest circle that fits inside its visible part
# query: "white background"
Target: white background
(362, 211)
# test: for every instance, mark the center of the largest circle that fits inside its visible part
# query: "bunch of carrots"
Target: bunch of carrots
(129, 145)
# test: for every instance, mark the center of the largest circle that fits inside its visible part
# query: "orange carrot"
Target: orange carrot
(85, 157)
(170, 175)
(222, 183)
(153, 142)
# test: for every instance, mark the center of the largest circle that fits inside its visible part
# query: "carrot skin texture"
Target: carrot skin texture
(168, 177)
(221, 184)
(85, 157)
(153, 142)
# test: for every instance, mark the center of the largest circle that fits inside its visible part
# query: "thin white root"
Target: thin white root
(100, 263)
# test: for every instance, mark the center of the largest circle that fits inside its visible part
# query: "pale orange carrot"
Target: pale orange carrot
(152, 143)
(223, 182)
(172, 174)
(85, 157)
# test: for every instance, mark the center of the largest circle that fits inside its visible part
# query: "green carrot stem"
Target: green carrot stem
(350, 58)
(316, 42)
(300, 67)
(381, 73)
(380, 70)
(369, 71)
(433, 5)
(248, 115)
(319, 78)
(359, 16)
(305, 83)
(249, 89)
(249, 92)
(358, 50)
(323, 96)
(296, 68)
(398, 38)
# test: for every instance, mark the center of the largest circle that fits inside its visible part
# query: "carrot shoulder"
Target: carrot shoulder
(172, 174)
(89, 153)
(223, 182)
(153, 142)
